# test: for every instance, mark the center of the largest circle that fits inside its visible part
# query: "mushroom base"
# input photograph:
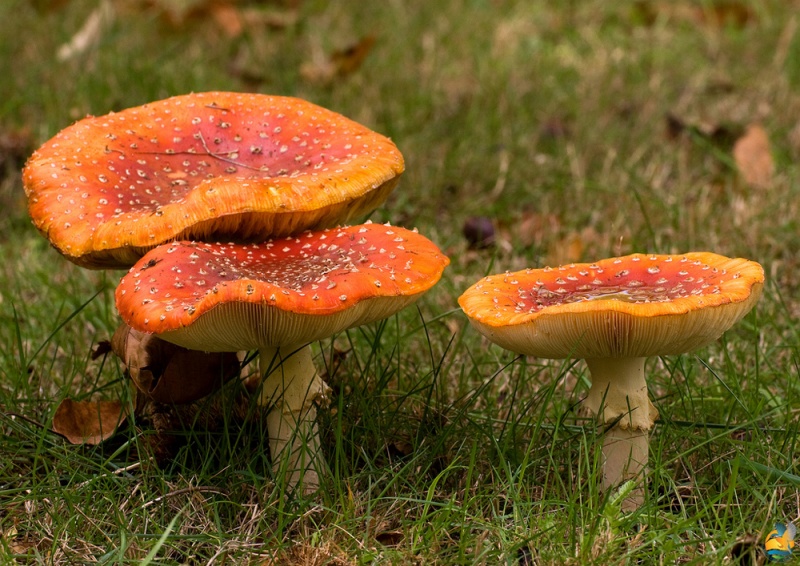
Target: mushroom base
(625, 455)
(620, 399)
(293, 389)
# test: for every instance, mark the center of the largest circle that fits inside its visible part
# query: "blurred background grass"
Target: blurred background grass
(579, 130)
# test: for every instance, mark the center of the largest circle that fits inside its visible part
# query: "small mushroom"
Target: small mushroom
(615, 313)
(212, 166)
(278, 297)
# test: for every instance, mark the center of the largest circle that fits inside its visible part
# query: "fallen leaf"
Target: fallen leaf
(88, 422)
(167, 373)
(228, 18)
(753, 157)
(340, 63)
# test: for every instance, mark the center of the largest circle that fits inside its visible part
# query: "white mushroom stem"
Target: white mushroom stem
(619, 395)
(292, 389)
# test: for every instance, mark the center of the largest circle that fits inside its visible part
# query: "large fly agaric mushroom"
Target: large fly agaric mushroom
(615, 313)
(214, 166)
(278, 297)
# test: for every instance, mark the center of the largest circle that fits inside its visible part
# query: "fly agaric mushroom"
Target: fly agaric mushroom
(278, 297)
(615, 313)
(212, 166)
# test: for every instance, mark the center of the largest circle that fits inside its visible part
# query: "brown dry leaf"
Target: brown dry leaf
(167, 373)
(340, 63)
(753, 157)
(88, 422)
(16, 543)
(228, 17)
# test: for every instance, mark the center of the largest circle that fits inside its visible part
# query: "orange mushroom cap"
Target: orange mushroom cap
(638, 305)
(228, 297)
(211, 166)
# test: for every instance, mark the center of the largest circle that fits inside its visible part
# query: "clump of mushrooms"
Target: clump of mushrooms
(615, 313)
(207, 166)
(278, 297)
(217, 166)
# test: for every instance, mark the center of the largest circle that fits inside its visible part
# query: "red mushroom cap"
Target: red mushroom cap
(285, 292)
(210, 166)
(637, 305)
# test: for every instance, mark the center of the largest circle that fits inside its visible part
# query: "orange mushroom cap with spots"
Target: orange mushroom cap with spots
(212, 166)
(288, 292)
(633, 306)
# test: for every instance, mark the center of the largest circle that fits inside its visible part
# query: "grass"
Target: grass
(444, 449)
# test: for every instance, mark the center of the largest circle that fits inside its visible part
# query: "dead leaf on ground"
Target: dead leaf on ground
(753, 157)
(17, 543)
(340, 63)
(167, 373)
(228, 18)
(88, 422)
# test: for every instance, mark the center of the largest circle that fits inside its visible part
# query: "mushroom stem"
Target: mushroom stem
(619, 395)
(292, 389)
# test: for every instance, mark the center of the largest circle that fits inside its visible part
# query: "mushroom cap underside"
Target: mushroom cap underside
(212, 166)
(284, 292)
(637, 305)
